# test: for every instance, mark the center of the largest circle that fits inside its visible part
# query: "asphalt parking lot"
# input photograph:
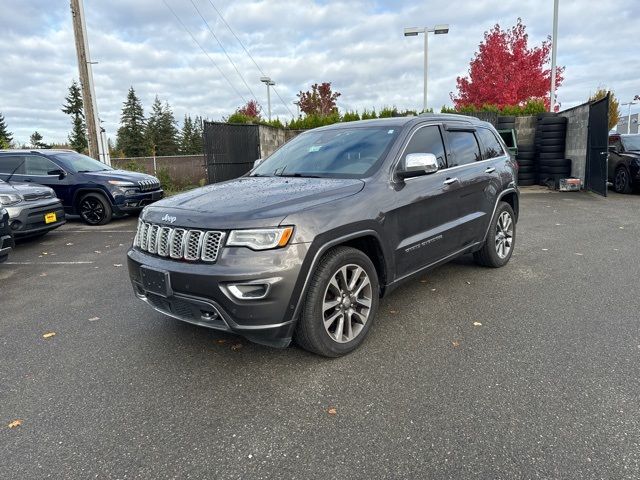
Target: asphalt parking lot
(530, 371)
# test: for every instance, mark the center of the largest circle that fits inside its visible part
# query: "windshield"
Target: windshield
(339, 152)
(81, 163)
(631, 142)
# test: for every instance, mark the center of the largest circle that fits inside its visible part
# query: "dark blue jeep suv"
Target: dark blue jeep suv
(85, 186)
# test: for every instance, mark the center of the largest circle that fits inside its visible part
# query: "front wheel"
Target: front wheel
(498, 246)
(621, 182)
(94, 209)
(340, 303)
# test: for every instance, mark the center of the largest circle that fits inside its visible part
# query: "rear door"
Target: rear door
(36, 170)
(421, 224)
(476, 160)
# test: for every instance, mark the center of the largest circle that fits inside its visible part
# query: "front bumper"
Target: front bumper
(28, 218)
(135, 203)
(199, 293)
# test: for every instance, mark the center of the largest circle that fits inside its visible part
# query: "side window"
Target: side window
(616, 143)
(491, 147)
(464, 148)
(10, 163)
(428, 140)
(37, 165)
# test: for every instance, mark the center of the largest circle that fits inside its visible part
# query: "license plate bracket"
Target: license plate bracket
(50, 217)
(156, 281)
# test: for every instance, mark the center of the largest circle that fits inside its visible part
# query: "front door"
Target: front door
(421, 224)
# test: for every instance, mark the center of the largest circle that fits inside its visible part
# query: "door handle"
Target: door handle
(449, 181)
(490, 170)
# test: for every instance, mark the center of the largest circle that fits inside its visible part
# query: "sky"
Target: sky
(356, 45)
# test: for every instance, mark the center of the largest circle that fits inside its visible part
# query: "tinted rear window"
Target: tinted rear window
(491, 147)
(464, 148)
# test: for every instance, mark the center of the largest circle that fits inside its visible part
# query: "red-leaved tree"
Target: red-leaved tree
(320, 100)
(251, 109)
(505, 71)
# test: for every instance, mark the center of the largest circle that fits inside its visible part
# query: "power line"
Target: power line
(205, 52)
(250, 56)
(223, 49)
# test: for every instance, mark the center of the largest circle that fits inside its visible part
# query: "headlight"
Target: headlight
(261, 238)
(8, 199)
(122, 183)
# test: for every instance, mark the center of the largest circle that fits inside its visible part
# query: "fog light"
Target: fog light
(249, 291)
(16, 224)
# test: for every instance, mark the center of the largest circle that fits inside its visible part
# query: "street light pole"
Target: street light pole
(269, 83)
(414, 31)
(554, 48)
(629, 113)
(297, 104)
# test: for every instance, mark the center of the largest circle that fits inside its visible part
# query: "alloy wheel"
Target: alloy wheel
(621, 180)
(347, 303)
(504, 235)
(92, 210)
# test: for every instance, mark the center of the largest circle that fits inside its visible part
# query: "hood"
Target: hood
(250, 201)
(125, 175)
(23, 188)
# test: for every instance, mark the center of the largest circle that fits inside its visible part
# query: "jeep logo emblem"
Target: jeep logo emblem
(168, 218)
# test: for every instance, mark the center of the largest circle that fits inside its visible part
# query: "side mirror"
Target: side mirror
(59, 172)
(257, 162)
(416, 164)
(612, 148)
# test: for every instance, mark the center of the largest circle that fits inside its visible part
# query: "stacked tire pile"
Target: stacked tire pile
(506, 123)
(527, 170)
(551, 132)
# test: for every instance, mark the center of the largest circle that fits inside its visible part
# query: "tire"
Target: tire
(553, 142)
(546, 156)
(542, 136)
(94, 209)
(552, 121)
(506, 126)
(500, 235)
(542, 115)
(525, 155)
(526, 164)
(564, 162)
(526, 149)
(527, 183)
(526, 169)
(553, 128)
(556, 149)
(506, 119)
(527, 177)
(555, 170)
(622, 180)
(325, 288)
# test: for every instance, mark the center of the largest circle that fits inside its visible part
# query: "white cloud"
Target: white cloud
(357, 45)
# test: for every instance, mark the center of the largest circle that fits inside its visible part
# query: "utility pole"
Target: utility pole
(554, 48)
(96, 148)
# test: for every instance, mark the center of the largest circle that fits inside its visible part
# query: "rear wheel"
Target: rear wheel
(340, 303)
(621, 182)
(94, 209)
(498, 246)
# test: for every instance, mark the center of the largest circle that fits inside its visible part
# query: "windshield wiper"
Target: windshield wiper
(301, 175)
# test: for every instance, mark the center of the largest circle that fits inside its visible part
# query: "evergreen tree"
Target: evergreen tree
(5, 135)
(162, 134)
(131, 134)
(74, 107)
(36, 140)
(191, 136)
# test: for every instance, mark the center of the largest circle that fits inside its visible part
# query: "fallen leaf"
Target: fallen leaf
(97, 251)
(93, 319)
(43, 274)
(433, 289)
(49, 335)
(15, 423)
(468, 283)
(107, 246)
(621, 228)
(117, 264)
(579, 254)
(455, 344)
(393, 311)
(423, 281)
(221, 341)
(477, 324)
(69, 244)
(332, 411)
(545, 249)
(236, 346)
(44, 253)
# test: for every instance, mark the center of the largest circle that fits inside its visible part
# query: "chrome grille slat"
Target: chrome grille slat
(179, 243)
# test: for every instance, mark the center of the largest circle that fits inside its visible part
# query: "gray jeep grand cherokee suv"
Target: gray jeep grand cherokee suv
(305, 244)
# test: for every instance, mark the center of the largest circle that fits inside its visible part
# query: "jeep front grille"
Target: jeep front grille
(148, 185)
(178, 243)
